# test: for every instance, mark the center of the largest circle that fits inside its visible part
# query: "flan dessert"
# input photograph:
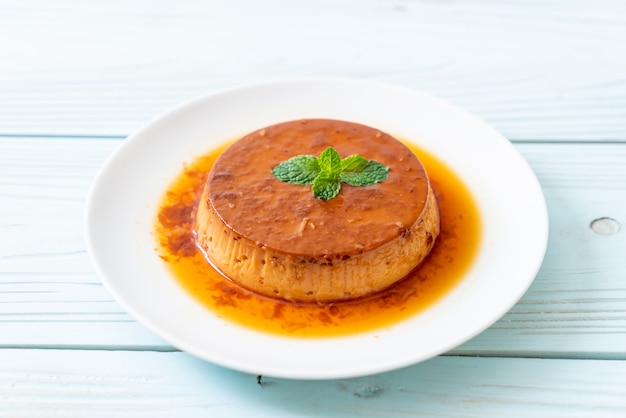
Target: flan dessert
(280, 240)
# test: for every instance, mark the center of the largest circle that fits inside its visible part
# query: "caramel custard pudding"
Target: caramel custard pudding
(451, 257)
(277, 239)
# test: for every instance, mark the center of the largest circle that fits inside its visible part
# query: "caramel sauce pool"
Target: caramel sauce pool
(451, 257)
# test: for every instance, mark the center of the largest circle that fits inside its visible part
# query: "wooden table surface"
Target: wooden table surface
(77, 77)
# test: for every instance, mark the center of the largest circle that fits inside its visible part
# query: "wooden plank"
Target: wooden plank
(48, 289)
(67, 383)
(50, 295)
(534, 70)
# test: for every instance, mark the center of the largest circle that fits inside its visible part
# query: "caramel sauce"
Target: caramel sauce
(451, 257)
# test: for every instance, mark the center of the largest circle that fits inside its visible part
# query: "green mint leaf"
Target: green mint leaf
(326, 186)
(330, 161)
(327, 172)
(368, 173)
(352, 163)
(302, 169)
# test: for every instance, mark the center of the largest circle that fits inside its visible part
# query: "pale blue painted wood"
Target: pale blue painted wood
(534, 70)
(65, 383)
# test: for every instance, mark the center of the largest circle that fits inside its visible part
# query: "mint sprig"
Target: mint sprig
(327, 172)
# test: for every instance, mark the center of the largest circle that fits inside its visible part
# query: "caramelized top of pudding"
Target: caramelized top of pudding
(288, 218)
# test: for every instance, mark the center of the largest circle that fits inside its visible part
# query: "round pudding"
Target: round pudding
(279, 240)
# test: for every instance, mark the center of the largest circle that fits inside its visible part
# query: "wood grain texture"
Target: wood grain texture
(48, 288)
(535, 70)
(51, 297)
(65, 383)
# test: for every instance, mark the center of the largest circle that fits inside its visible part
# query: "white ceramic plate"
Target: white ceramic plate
(123, 202)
